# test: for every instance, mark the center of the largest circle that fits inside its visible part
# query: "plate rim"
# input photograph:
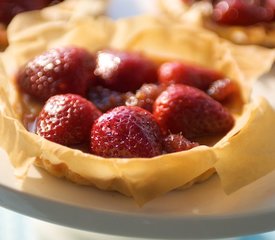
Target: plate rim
(137, 225)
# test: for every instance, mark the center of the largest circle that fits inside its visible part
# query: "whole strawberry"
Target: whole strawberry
(57, 71)
(124, 71)
(191, 75)
(126, 132)
(190, 111)
(67, 119)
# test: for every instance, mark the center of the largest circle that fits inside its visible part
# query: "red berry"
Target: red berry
(57, 71)
(10, 8)
(124, 71)
(195, 76)
(178, 143)
(222, 89)
(241, 12)
(126, 132)
(190, 111)
(67, 119)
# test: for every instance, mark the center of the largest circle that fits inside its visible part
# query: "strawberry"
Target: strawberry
(190, 111)
(124, 71)
(177, 143)
(57, 71)
(126, 132)
(241, 12)
(67, 119)
(192, 75)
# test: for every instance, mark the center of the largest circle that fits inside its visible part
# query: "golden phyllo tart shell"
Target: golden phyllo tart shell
(200, 13)
(248, 146)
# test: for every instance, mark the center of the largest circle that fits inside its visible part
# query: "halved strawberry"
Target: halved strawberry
(126, 132)
(67, 119)
(190, 111)
(57, 71)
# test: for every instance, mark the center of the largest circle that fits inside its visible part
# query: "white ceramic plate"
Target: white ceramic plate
(203, 211)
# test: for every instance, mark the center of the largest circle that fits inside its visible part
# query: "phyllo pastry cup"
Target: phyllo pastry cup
(200, 14)
(243, 155)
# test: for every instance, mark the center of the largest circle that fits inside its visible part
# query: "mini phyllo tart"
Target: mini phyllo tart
(10, 9)
(240, 21)
(138, 105)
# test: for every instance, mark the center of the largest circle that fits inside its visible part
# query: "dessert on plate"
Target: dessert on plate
(138, 105)
(240, 21)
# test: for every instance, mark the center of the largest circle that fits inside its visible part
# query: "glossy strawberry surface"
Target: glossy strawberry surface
(242, 12)
(67, 119)
(10, 8)
(126, 132)
(57, 71)
(190, 111)
(192, 75)
(124, 71)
